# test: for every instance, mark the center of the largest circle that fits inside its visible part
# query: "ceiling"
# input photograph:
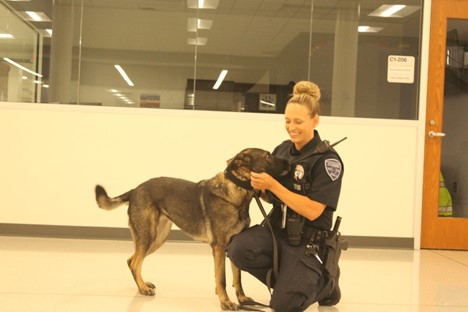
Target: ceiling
(240, 27)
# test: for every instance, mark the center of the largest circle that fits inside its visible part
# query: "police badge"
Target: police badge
(298, 173)
(333, 168)
(298, 176)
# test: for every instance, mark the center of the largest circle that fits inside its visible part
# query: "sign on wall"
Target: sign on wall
(400, 69)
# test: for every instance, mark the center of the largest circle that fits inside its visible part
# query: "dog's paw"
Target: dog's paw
(229, 306)
(149, 290)
(244, 299)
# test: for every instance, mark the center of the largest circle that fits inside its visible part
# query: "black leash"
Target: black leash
(245, 184)
(245, 306)
(275, 268)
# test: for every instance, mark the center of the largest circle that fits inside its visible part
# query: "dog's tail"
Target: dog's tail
(108, 203)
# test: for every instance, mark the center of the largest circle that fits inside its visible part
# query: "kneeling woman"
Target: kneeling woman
(303, 205)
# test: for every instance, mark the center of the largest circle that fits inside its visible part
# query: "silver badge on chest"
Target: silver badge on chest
(298, 176)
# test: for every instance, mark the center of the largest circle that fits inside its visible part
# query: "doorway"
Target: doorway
(445, 185)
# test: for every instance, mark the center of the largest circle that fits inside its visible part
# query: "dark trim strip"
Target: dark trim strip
(78, 232)
(85, 232)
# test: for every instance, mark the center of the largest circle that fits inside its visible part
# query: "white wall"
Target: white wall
(53, 155)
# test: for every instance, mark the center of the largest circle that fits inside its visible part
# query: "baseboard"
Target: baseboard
(106, 233)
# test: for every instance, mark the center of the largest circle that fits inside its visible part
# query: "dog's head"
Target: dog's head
(258, 160)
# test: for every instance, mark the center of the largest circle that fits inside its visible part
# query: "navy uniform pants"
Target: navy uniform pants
(300, 278)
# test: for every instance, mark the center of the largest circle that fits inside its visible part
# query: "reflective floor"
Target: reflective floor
(39, 274)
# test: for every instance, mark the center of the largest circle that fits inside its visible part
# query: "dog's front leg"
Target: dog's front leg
(237, 284)
(220, 279)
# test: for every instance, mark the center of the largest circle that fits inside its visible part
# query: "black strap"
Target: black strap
(275, 269)
(246, 306)
(245, 184)
(323, 147)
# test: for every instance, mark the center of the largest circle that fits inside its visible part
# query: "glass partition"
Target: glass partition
(453, 195)
(20, 63)
(165, 54)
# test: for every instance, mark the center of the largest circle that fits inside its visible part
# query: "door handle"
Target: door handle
(433, 134)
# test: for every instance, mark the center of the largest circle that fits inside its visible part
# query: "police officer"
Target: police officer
(302, 214)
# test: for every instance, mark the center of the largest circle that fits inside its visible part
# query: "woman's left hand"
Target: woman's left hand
(261, 181)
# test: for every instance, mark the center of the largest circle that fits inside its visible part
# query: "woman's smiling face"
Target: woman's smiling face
(299, 124)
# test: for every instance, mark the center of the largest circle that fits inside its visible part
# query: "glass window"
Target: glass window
(20, 71)
(169, 54)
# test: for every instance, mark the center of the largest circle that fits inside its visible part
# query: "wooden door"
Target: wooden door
(442, 232)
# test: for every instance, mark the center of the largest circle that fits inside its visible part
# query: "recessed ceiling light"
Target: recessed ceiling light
(220, 80)
(397, 10)
(6, 59)
(202, 4)
(36, 16)
(392, 10)
(46, 33)
(193, 24)
(6, 36)
(124, 75)
(363, 28)
(369, 29)
(197, 41)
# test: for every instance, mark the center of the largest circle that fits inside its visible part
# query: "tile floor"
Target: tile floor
(42, 274)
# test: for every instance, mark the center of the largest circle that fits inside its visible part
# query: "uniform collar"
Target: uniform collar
(309, 147)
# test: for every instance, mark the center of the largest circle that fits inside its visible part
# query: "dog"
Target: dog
(211, 210)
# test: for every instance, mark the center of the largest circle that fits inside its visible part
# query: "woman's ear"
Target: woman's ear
(316, 120)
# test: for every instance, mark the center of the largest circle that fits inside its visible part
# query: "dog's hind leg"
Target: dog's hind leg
(148, 238)
(134, 263)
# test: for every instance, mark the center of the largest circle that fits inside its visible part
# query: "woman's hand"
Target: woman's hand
(261, 181)
(299, 203)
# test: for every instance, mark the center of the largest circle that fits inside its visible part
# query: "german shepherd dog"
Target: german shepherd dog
(211, 210)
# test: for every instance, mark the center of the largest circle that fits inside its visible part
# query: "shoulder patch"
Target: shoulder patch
(333, 168)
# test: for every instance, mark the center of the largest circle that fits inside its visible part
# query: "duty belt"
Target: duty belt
(314, 235)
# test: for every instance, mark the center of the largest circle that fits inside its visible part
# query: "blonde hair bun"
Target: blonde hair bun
(307, 87)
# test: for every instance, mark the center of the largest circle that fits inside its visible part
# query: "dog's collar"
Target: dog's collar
(245, 184)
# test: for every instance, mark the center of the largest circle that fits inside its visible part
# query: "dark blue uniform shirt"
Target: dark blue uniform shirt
(317, 177)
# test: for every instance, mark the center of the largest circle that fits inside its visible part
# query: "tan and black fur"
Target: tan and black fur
(211, 211)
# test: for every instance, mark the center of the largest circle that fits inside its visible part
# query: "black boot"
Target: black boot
(335, 295)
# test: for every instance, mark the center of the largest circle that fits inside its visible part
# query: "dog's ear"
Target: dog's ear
(236, 161)
(233, 162)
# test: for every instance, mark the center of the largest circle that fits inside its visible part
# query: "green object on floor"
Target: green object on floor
(445, 200)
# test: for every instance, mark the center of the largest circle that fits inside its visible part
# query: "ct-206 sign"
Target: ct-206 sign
(398, 58)
(400, 69)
